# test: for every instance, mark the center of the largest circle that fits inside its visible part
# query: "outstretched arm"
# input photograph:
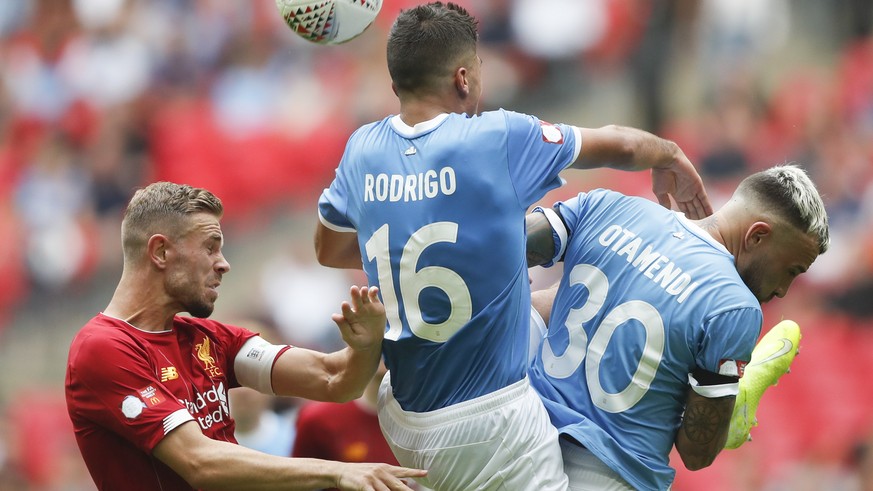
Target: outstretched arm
(210, 464)
(343, 375)
(624, 148)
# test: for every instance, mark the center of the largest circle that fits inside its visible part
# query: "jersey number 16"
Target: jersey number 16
(411, 282)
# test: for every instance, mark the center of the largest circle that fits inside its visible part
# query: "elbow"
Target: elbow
(343, 396)
(198, 472)
(321, 256)
(341, 390)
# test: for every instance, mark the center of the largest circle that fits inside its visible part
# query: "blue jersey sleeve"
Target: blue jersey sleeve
(573, 210)
(729, 338)
(532, 142)
(334, 201)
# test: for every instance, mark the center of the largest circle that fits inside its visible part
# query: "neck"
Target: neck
(420, 109)
(137, 302)
(720, 229)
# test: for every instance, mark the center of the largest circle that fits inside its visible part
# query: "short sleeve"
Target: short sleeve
(537, 152)
(728, 341)
(116, 387)
(572, 211)
(334, 201)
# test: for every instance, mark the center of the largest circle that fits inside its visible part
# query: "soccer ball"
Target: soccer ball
(329, 21)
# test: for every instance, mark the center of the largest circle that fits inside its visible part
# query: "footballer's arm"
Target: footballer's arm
(546, 240)
(337, 249)
(340, 376)
(205, 463)
(631, 149)
(705, 424)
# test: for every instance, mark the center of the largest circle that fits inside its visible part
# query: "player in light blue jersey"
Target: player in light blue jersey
(656, 316)
(431, 203)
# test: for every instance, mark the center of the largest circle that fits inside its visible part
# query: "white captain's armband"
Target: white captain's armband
(254, 364)
(559, 233)
(714, 391)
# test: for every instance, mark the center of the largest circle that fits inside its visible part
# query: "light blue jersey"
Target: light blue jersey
(439, 212)
(646, 298)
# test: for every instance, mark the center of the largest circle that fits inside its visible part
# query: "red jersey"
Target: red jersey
(127, 388)
(344, 432)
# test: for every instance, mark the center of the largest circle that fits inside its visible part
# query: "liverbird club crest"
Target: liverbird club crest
(204, 354)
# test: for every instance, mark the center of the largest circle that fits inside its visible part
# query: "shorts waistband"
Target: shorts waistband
(461, 410)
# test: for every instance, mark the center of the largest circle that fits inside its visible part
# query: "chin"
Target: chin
(201, 311)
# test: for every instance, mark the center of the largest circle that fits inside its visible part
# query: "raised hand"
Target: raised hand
(681, 181)
(362, 322)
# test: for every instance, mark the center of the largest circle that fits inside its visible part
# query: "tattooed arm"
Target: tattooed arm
(704, 429)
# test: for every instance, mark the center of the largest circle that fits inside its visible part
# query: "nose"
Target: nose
(222, 266)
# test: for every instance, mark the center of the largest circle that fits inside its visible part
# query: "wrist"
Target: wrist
(671, 153)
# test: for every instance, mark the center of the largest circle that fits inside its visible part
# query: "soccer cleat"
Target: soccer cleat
(771, 359)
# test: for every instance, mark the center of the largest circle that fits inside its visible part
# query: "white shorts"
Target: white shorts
(588, 473)
(500, 441)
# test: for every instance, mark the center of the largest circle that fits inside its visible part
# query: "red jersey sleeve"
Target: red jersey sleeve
(111, 382)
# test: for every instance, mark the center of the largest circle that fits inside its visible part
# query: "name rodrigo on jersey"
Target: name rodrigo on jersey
(409, 187)
(652, 264)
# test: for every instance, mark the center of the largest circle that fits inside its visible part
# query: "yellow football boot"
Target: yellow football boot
(771, 359)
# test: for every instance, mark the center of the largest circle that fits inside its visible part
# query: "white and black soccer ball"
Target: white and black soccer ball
(329, 21)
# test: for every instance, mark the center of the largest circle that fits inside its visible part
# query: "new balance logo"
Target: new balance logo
(169, 373)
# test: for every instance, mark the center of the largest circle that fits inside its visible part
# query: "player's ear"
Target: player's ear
(462, 84)
(157, 248)
(757, 234)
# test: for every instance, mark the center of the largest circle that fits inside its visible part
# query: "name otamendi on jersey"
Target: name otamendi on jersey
(652, 264)
(410, 187)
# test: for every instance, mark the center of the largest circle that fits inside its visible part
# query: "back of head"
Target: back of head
(162, 208)
(427, 43)
(788, 193)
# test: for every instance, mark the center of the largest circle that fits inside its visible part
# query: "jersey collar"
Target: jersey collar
(412, 131)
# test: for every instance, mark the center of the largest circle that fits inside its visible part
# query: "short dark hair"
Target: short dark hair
(162, 207)
(788, 191)
(427, 43)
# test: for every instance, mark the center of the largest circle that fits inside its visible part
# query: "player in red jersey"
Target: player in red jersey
(147, 389)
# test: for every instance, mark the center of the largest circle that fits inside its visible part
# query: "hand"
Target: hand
(362, 322)
(370, 477)
(680, 180)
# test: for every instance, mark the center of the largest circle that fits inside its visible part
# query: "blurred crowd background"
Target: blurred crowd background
(99, 97)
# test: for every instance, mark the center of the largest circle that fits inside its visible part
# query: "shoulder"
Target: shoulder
(207, 335)
(603, 200)
(370, 128)
(101, 337)
(208, 326)
(100, 349)
(501, 117)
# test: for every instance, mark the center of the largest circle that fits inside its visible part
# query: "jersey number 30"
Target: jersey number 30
(412, 281)
(579, 349)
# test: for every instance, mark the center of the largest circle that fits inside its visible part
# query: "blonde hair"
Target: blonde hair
(787, 191)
